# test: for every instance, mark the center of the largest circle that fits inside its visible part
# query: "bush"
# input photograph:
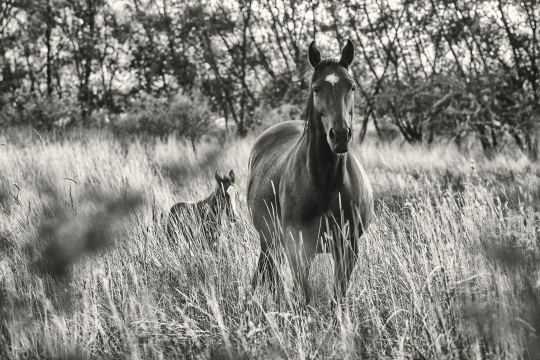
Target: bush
(43, 114)
(266, 117)
(8, 112)
(192, 117)
(147, 116)
(185, 115)
(492, 107)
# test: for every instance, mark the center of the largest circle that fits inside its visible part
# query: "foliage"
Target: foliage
(265, 117)
(192, 116)
(187, 116)
(147, 115)
(45, 113)
(489, 106)
(250, 54)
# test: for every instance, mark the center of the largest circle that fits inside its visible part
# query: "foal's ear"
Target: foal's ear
(314, 55)
(218, 178)
(347, 55)
(231, 175)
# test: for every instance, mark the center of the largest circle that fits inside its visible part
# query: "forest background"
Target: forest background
(425, 69)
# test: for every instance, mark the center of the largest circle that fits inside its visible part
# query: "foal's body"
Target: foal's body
(208, 212)
(203, 212)
(319, 187)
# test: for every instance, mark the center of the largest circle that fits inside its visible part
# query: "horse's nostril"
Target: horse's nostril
(332, 134)
(349, 132)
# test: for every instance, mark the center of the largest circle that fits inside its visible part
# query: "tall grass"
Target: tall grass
(448, 269)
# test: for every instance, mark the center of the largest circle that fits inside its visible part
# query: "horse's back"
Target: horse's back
(273, 143)
(182, 209)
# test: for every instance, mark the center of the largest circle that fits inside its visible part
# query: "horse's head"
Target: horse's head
(332, 91)
(226, 193)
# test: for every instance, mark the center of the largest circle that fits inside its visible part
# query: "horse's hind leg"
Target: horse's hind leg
(266, 271)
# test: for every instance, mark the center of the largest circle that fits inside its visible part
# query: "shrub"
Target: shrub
(265, 117)
(185, 115)
(147, 116)
(490, 106)
(192, 116)
(45, 113)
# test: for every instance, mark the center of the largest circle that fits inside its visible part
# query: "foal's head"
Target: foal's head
(226, 193)
(332, 91)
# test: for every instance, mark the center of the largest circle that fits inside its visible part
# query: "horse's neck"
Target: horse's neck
(325, 168)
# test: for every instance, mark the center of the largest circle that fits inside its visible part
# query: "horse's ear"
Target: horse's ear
(218, 178)
(231, 175)
(347, 55)
(314, 55)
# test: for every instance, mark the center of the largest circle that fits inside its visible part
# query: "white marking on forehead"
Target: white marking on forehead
(332, 79)
(232, 194)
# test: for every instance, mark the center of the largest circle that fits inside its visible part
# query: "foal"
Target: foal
(207, 212)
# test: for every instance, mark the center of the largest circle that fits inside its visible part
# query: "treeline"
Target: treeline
(429, 67)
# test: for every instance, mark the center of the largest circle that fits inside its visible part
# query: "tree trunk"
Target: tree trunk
(89, 47)
(241, 125)
(48, 31)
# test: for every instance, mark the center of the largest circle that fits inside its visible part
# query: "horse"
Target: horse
(306, 192)
(208, 211)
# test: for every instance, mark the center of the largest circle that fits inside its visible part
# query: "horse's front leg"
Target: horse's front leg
(267, 270)
(345, 255)
(300, 255)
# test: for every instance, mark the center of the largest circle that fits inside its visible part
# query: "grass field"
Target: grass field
(448, 269)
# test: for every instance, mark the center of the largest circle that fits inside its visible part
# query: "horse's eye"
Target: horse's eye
(353, 87)
(316, 90)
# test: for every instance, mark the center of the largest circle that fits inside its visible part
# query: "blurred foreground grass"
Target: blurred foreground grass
(449, 268)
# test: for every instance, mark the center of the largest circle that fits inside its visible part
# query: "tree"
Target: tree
(428, 67)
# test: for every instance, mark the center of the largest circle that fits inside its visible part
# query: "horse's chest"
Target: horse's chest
(307, 210)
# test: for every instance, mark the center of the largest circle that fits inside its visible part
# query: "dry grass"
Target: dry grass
(448, 269)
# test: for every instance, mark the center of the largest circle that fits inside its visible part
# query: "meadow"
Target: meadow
(447, 270)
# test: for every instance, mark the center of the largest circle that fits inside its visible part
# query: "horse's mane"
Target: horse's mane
(308, 112)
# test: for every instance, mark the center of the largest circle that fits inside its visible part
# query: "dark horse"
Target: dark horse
(208, 211)
(306, 191)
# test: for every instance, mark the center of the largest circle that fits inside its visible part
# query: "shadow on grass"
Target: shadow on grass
(179, 172)
(490, 319)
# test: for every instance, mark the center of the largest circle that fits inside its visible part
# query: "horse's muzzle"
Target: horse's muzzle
(339, 139)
